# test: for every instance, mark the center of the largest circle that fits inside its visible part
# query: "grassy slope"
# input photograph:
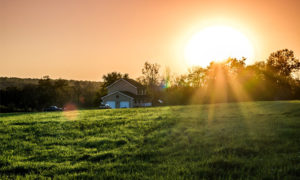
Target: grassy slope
(236, 140)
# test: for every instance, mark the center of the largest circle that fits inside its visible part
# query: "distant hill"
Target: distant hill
(21, 82)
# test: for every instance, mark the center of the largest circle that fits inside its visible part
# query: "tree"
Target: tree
(46, 92)
(62, 92)
(150, 79)
(283, 62)
(235, 66)
(150, 76)
(110, 78)
(280, 67)
(196, 76)
(181, 81)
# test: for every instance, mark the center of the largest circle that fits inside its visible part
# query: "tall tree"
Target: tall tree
(196, 76)
(150, 79)
(283, 62)
(150, 73)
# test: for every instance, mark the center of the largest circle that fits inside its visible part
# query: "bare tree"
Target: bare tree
(150, 73)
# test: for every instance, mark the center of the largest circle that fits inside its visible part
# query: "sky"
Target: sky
(85, 39)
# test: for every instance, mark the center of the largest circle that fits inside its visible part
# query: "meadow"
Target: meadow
(249, 140)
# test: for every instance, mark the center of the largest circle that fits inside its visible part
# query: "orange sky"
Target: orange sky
(84, 39)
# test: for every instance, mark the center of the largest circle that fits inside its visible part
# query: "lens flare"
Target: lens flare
(167, 79)
(166, 84)
(71, 112)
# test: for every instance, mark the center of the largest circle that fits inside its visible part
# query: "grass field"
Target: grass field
(252, 140)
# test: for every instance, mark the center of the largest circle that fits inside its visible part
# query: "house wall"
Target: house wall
(122, 85)
(142, 103)
(141, 91)
(118, 97)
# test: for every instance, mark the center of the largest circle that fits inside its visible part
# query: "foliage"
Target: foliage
(253, 140)
(47, 92)
(150, 79)
(228, 81)
(196, 76)
(231, 80)
(110, 78)
(150, 74)
(283, 62)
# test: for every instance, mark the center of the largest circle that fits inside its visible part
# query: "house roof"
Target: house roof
(134, 82)
(128, 94)
(130, 81)
(117, 92)
(134, 95)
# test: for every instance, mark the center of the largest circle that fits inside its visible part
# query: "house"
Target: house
(126, 93)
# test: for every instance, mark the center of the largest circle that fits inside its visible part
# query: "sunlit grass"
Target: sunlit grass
(254, 140)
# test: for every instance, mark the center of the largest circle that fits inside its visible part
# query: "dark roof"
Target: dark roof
(122, 92)
(134, 95)
(128, 93)
(134, 82)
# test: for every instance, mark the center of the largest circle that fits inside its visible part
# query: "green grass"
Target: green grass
(251, 140)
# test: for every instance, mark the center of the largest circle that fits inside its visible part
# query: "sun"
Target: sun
(217, 43)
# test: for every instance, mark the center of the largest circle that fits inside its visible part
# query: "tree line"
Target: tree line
(39, 94)
(276, 78)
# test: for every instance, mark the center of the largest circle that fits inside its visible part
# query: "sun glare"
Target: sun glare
(217, 43)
